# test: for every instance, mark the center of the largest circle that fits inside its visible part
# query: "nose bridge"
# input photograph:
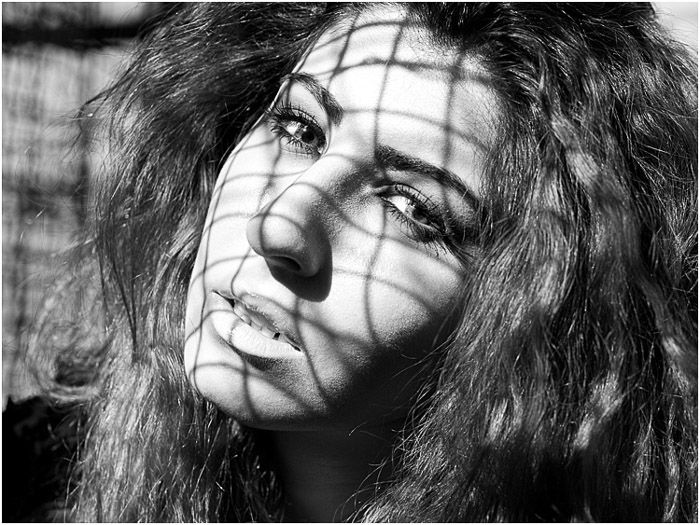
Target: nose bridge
(313, 199)
(300, 200)
(323, 187)
(292, 231)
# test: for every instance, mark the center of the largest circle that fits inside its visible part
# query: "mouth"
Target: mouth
(258, 321)
(248, 332)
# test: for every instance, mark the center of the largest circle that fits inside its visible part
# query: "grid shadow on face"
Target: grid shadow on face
(343, 222)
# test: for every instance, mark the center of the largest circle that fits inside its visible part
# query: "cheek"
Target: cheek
(378, 356)
(245, 177)
(407, 291)
(241, 190)
(390, 308)
(236, 195)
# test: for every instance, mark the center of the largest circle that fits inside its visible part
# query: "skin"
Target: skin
(317, 238)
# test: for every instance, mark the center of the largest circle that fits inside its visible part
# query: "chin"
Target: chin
(252, 401)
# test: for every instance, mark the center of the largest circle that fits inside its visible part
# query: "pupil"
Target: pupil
(417, 214)
(307, 135)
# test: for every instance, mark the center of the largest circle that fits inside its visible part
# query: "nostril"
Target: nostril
(288, 240)
(286, 263)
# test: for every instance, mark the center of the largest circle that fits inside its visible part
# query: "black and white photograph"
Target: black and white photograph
(349, 262)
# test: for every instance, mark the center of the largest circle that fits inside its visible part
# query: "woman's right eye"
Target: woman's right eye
(297, 131)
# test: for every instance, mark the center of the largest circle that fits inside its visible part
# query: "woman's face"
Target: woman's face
(328, 266)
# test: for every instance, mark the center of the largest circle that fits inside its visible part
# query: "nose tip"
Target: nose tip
(287, 242)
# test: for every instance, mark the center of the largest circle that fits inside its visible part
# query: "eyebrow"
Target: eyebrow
(386, 156)
(324, 97)
(390, 158)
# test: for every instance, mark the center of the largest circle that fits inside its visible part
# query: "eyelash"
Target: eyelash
(434, 235)
(281, 116)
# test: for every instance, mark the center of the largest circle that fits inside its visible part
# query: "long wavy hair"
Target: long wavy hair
(569, 391)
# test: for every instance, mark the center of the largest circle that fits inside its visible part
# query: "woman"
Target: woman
(429, 263)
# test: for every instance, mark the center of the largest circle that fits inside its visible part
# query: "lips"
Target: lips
(257, 320)
(242, 327)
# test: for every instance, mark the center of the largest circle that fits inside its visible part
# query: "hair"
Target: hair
(569, 391)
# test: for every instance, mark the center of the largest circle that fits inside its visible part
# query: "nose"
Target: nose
(289, 232)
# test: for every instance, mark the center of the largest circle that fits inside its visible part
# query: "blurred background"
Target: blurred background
(56, 56)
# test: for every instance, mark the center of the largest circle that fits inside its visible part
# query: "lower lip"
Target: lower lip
(245, 340)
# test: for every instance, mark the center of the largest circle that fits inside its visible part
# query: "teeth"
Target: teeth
(266, 332)
(242, 314)
(277, 336)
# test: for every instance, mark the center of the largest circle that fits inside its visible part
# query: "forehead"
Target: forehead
(379, 62)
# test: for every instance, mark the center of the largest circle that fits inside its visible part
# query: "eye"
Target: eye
(297, 131)
(422, 219)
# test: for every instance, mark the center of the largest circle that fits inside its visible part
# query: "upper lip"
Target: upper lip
(265, 314)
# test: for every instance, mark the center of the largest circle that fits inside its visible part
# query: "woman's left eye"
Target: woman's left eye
(416, 212)
(297, 131)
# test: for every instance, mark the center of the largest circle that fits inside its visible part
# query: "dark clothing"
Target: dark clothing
(38, 442)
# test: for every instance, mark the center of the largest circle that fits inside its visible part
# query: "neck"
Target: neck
(326, 476)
